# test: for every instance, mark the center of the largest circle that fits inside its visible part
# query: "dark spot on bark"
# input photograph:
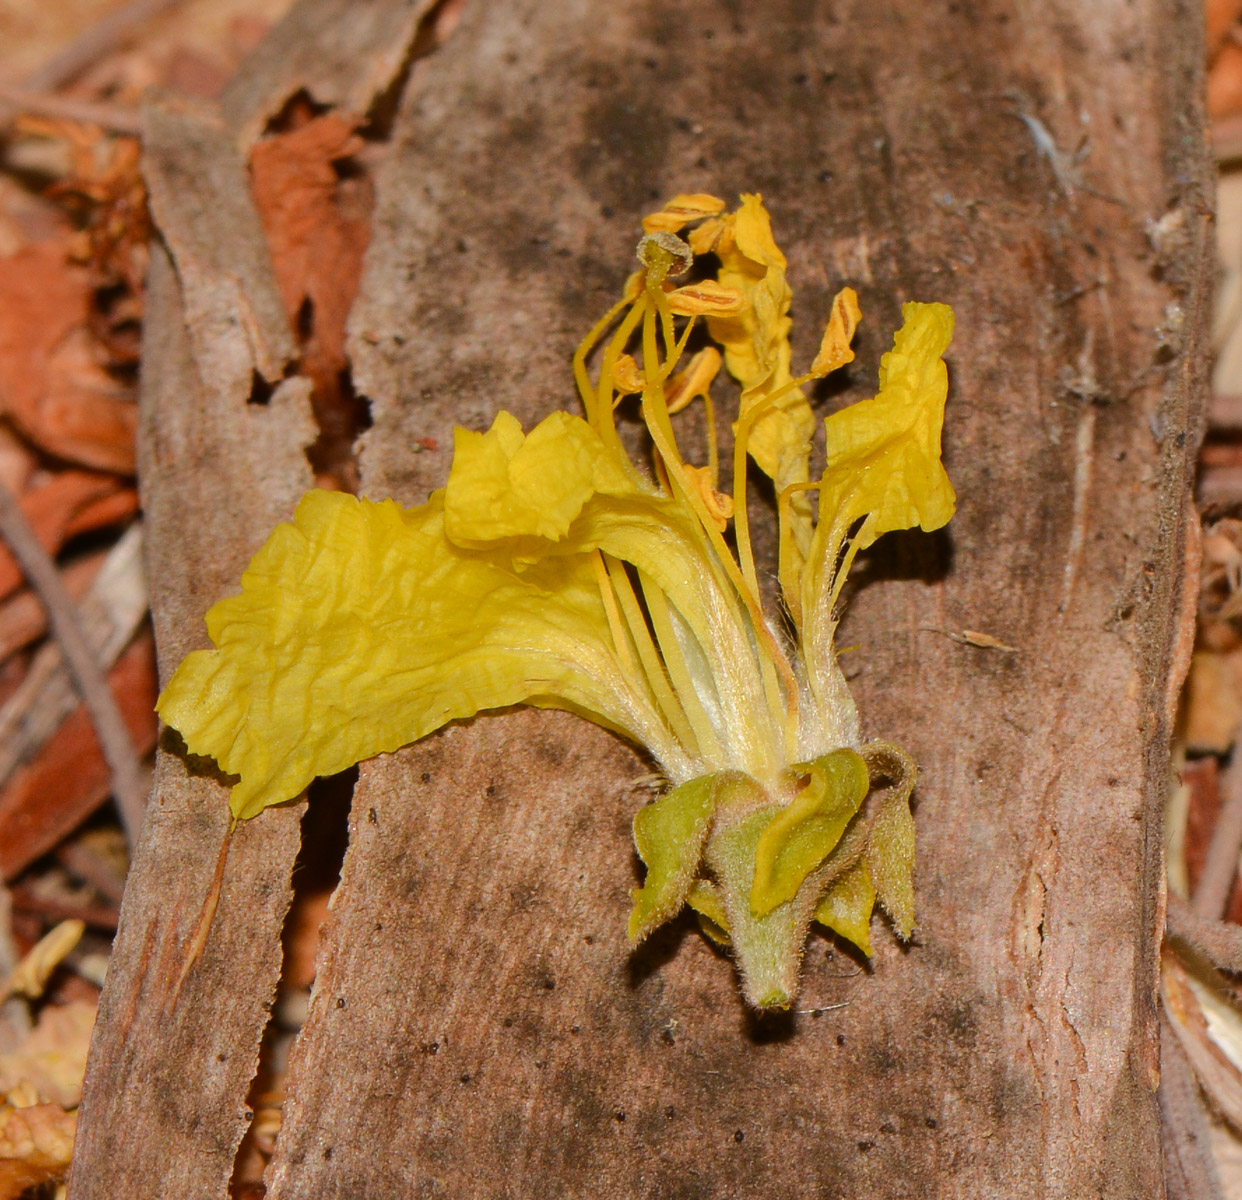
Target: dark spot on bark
(958, 1021)
(327, 1153)
(623, 148)
(865, 1147)
(464, 1077)
(884, 1060)
(888, 1127)
(738, 1136)
(425, 777)
(932, 1123)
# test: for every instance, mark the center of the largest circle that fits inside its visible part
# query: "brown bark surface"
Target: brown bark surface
(478, 1015)
(224, 426)
(479, 1026)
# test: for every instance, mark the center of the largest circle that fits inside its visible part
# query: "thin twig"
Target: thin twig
(92, 44)
(16, 101)
(89, 867)
(1221, 866)
(1220, 942)
(1189, 1169)
(97, 916)
(128, 786)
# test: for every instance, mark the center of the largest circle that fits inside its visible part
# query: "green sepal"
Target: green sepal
(669, 837)
(704, 897)
(847, 906)
(768, 949)
(890, 843)
(800, 837)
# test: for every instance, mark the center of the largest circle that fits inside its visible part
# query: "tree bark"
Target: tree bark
(479, 1025)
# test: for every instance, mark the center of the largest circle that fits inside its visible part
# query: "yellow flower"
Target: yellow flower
(552, 571)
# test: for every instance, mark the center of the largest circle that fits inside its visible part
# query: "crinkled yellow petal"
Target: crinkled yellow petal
(361, 628)
(560, 491)
(884, 453)
(884, 465)
(506, 484)
(757, 354)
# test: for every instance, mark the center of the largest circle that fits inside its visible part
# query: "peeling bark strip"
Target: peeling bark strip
(216, 473)
(343, 54)
(164, 1110)
(479, 1026)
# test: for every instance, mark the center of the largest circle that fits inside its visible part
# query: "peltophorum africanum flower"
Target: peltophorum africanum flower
(553, 571)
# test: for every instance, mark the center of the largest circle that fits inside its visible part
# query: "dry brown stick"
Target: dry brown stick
(15, 101)
(91, 868)
(128, 785)
(1218, 941)
(1221, 865)
(1190, 1172)
(93, 43)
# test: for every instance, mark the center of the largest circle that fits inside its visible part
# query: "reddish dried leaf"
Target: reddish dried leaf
(1218, 17)
(70, 503)
(1202, 777)
(317, 230)
(23, 617)
(68, 779)
(35, 1146)
(51, 387)
(301, 938)
(51, 1059)
(1224, 83)
(103, 513)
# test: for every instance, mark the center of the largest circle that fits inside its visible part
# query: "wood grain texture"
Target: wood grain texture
(164, 1105)
(479, 1026)
(225, 421)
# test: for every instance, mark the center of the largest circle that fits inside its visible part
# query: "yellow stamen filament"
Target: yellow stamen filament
(650, 657)
(655, 413)
(603, 420)
(581, 378)
(679, 673)
(620, 638)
